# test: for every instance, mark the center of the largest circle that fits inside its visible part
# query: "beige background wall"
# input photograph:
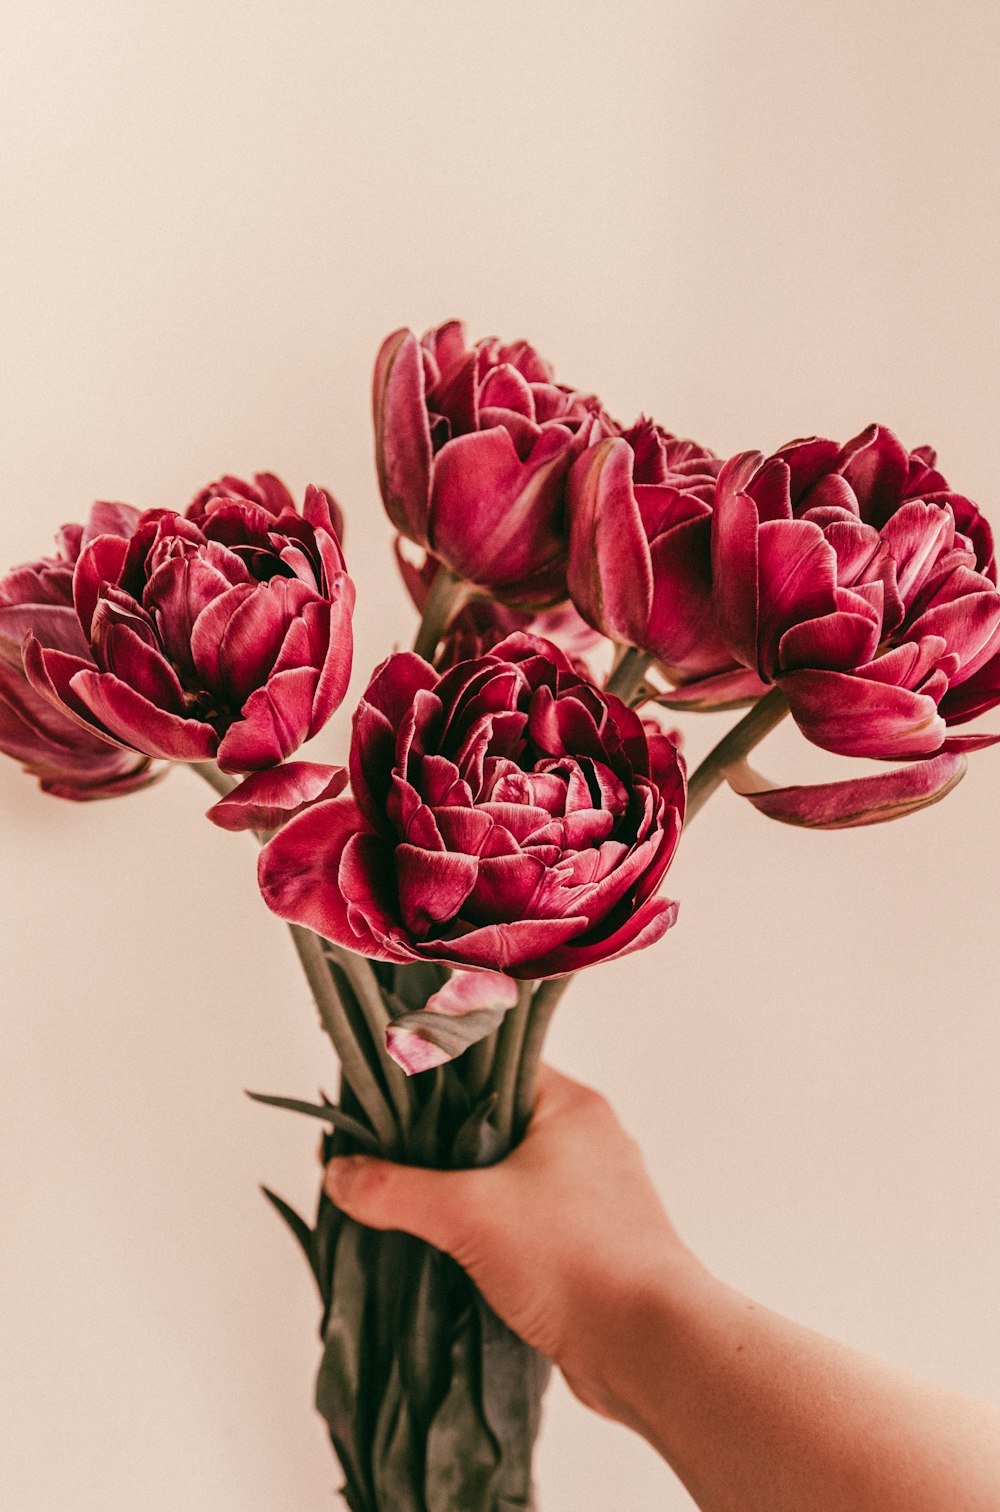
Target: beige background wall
(753, 220)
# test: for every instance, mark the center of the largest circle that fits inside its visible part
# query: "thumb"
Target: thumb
(432, 1205)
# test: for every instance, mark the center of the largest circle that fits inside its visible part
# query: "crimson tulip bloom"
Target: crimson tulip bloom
(858, 582)
(473, 444)
(640, 558)
(37, 599)
(506, 815)
(221, 635)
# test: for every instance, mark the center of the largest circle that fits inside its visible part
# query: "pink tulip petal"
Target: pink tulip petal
(433, 885)
(273, 722)
(724, 690)
(838, 641)
(302, 877)
(402, 436)
(647, 925)
(855, 716)
(266, 800)
(496, 520)
(101, 561)
(54, 625)
(876, 467)
(51, 674)
(469, 1006)
(335, 666)
(735, 525)
(610, 577)
(974, 695)
(140, 724)
(856, 801)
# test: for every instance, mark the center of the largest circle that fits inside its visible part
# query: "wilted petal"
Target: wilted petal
(726, 690)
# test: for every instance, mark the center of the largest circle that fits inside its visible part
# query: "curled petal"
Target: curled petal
(266, 800)
(725, 690)
(856, 801)
(856, 716)
(469, 1006)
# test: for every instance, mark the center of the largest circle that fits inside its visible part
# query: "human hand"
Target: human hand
(560, 1237)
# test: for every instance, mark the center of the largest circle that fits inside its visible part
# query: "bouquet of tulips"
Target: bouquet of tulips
(513, 796)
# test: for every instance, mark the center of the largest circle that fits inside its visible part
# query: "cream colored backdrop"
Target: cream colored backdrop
(754, 221)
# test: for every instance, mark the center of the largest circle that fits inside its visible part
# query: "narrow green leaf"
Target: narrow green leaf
(298, 1226)
(327, 1112)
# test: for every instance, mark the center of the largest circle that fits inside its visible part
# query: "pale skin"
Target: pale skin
(752, 1411)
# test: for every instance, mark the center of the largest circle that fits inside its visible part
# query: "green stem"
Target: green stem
(543, 1006)
(221, 782)
(477, 1063)
(333, 1017)
(353, 1064)
(506, 1068)
(447, 594)
(755, 724)
(627, 677)
(357, 969)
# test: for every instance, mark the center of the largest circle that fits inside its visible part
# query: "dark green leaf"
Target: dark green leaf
(462, 1454)
(514, 1378)
(298, 1226)
(327, 1112)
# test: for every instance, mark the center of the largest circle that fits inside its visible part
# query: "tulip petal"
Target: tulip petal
(273, 722)
(644, 927)
(402, 434)
(856, 716)
(266, 800)
(469, 1006)
(609, 575)
(735, 525)
(101, 561)
(725, 690)
(876, 466)
(495, 519)
(856, 801)
(140, 724)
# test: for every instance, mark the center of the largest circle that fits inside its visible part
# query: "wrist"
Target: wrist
(613, 1368)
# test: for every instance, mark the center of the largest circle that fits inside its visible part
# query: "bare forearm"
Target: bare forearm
(754, 1411)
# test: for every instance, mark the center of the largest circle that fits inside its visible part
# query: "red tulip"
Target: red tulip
(37, 599)
(224, 634)
(506, 815)
(859, 583)
(640, 560)
(473, 444)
